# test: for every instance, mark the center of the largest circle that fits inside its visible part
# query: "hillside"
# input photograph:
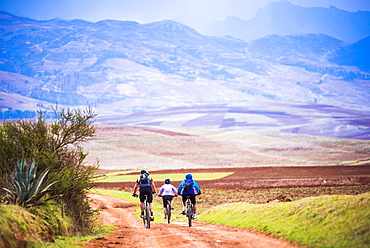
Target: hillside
(121, 68)
(123, 147)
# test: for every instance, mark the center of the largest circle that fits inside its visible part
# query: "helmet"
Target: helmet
(144, 172)
(167, 181)
(189, 176)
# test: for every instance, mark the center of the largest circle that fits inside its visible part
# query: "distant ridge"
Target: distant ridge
(284, 18)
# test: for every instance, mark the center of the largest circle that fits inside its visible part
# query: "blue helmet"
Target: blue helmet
(189, 176)
(167, 181)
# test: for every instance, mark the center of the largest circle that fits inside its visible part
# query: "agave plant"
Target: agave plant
(27, 188)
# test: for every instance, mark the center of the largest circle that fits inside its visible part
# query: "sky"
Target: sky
(144, 11)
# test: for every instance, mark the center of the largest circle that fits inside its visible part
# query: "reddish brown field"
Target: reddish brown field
(265, 165)
(259, 160)
(276, 177)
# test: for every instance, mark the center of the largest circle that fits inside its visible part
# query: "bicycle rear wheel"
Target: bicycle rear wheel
(146, 218)
(190, 215)
(168, 210)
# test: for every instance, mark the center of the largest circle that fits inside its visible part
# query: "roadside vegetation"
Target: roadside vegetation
(317, 217)
(323, 221)
(43, 177)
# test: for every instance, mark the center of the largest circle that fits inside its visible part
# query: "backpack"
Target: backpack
(144, 179)
(188, 185)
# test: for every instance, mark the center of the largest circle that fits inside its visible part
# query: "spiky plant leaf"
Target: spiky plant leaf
(27, 188)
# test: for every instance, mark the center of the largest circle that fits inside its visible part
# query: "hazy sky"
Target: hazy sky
(154, 10)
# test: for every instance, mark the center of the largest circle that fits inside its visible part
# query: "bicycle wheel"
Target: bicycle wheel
(190, 214)
(146, 218)
(168, 211)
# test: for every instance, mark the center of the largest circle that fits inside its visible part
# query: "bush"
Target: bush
(56, 147)
(21, 228)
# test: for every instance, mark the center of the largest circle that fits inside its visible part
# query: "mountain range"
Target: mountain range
(285, 18)
(124, 69)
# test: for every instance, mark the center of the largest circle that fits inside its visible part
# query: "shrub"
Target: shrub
(19, 228)
(56, 147)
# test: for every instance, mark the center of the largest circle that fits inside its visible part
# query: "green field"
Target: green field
(323, 221)
(122, 176)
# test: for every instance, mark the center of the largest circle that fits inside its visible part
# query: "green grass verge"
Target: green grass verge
(323, 221)
(18, 228)
(72, 242)
(122, 177)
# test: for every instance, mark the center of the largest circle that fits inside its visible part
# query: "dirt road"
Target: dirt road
(131, 232)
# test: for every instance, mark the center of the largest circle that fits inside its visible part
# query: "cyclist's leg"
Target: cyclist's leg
(164, 206)
(194, 202)
(170, 199)
(142, 198)
(150, 201)
(183, 203)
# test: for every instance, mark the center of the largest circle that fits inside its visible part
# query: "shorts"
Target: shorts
(192, 198)
(146, 191)
(167, 198)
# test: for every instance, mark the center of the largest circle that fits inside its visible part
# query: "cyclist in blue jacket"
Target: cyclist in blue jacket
(185, 189)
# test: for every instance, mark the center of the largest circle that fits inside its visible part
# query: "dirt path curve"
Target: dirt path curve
(131, 232)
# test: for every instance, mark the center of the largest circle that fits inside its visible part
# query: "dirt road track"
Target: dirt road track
(131, 232)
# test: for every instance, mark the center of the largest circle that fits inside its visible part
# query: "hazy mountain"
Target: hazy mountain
(284, 18)
(356, 54)
(121, 67)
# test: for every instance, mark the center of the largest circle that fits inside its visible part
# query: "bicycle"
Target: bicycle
(168, 210)
(189, 210)
(146, 218)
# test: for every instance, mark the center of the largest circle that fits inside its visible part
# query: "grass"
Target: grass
(18, 227)
(33, 227)
(71, 242)
(123, 177)
(318, 216)
(323, 221)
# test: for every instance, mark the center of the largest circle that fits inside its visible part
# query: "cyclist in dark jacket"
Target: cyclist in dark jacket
(185, 189)
(146, 187)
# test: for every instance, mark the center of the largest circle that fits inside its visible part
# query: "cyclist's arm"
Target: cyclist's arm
(174, 190)
(154, 189)
(135, 187)
(161, 191)
(197, 187)
(181, 185)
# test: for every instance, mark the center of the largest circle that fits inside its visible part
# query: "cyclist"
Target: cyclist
(168, 192)
(185, 189)
(147, 187)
